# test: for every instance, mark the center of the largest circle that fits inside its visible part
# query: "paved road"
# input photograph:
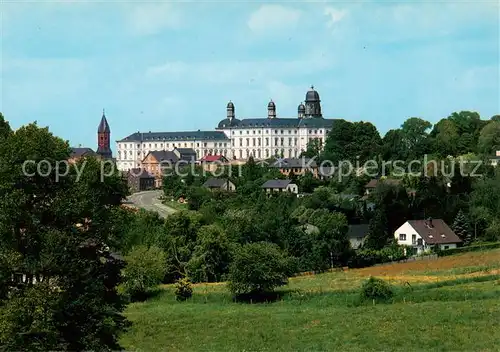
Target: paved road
(149, 200)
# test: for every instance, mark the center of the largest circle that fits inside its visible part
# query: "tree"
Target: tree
(366, 142)
(489, 138)
(338, 144)
(145, 269)
(446, 138)
(258, 268)
(461, 227)
(313, 148)
(393, 146)
(5, 130)
(211, 255)
(378, 232)
(57, 229)
(415, 136)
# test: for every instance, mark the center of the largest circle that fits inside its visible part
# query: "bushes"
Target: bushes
(145, 269)
(257, 268)
(183, 289)
(475, 248)
(376, 289)
(369, 257)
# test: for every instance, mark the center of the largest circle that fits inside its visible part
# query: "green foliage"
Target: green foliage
(462, 228)
(376, 289)
(183, 289)
(378, 233)
(473, 248)
(211, 256)
(369, 257)
(257, 268)
(38, 233)
(489, 138)
(145, 269)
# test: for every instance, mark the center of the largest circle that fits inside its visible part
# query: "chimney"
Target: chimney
(498, 153)
(430, 222)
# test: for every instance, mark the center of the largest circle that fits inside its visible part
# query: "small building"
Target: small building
(187, 155)
(139, 179)
(495, 160)
(222, 184)
(296, 166)
(79, 153)
(280, 186)
(423, 235)
(211, 163)
(357, 234)
(156, 162)
(370, 186)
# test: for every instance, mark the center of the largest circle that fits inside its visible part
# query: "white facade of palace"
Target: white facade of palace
(237, 139)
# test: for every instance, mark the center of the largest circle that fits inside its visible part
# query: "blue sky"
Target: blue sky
(167, 66)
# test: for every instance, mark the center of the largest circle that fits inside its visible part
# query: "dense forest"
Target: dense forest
(71, 256)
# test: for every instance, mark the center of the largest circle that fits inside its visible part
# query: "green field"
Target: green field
(449, 304)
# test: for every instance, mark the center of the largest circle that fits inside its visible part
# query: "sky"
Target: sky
(173, 66)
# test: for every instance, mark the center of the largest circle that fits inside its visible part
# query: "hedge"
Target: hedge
(474, 248)
(367, 257)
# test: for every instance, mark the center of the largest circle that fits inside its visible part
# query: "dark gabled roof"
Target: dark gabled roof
(358, 231)
(277, 123)
(174, 136)
(163, 155)
(215, 182)
(186, 154)
(79, 152)
(294, 163)
(434, 231)
(139, 173)
(276, 184)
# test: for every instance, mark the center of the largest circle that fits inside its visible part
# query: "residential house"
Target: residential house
(370, 186)
(187, 155)
(222, 184)
(211, 163)
(423, 235)
(140, 180)
(357, 234)
(297, 166)
(159, 162)
(280, 186)
(79, 153)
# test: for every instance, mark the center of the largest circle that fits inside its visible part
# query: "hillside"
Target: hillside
(447, 304)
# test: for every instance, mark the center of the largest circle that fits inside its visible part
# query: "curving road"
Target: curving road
(149, 200)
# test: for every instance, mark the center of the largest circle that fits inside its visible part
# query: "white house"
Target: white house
(422, 235)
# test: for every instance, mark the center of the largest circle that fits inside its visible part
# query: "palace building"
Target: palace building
(236, 138)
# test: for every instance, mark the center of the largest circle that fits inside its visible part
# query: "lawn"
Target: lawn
(448, 304)
(175, 205)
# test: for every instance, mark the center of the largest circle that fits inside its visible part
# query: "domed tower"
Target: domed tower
(271, 110)
(103, 138)
(230, 111)
(313, 104)
(301, 111)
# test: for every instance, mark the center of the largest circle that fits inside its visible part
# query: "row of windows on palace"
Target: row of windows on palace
(256, 142)
(220, 144)
(283, 131)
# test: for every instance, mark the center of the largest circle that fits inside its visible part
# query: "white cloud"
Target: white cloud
(152, 18)
(334, 15)
(270, 18)
(239, 72)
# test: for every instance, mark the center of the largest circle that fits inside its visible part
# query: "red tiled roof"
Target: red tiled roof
(213, 158)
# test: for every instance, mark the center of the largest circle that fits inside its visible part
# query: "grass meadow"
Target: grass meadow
(448, 304)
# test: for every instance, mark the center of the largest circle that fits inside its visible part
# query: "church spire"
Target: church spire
(103, 138)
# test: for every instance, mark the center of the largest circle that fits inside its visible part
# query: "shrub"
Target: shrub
(183, 289)
(474, 248)
(145, 269)
(257, 268)
(376, 289)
